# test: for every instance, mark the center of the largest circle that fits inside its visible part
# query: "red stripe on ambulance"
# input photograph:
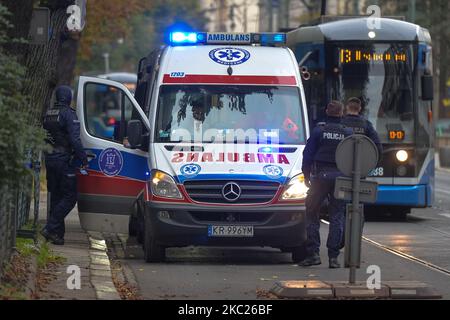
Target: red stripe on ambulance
(203, 78)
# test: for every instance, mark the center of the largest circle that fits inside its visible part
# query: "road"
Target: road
(416, 249)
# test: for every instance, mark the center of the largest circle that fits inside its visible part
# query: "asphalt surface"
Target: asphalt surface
(247, 273)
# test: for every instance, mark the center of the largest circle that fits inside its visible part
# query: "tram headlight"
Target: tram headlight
(401, 155)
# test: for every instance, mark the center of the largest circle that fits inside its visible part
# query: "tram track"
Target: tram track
(401, 254)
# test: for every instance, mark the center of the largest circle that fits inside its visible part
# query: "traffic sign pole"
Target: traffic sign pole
(356, 156)
(355, 216)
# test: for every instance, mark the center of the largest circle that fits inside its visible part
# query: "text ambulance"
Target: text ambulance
(207, 152)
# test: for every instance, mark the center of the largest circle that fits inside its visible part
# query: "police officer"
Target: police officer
(320, 171)
(358, 124)
(63, 129)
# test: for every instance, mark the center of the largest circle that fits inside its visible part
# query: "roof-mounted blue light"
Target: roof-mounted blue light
(192, 38)
(180, 38)
(271, 38)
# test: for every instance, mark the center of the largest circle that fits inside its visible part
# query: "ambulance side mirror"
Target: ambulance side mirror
(134, 131)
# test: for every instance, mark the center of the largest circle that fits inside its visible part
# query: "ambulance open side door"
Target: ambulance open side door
(116, 173)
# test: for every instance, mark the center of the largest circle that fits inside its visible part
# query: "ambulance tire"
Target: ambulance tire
(133, 222)
(299, 253)
(133, 227)
(139, 224)
(153, 252)
(140, 233)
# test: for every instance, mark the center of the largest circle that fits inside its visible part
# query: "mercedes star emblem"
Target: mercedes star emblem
(231, 191)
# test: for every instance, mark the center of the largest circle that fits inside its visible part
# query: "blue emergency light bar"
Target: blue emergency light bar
(192, 38)
(186, 37)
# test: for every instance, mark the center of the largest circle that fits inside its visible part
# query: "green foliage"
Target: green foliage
(144, 32)
(19, 131)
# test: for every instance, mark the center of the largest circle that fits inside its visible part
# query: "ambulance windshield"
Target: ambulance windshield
(230, 114)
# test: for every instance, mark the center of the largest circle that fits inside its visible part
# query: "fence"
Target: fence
(14, 214)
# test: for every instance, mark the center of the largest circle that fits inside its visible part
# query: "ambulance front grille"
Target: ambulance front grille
(234, 217)
(210, 191)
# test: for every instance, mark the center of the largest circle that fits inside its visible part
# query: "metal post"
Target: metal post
(356, 7)
(323, 8)
(270, 7)
(355, 238)
(412, 10)
(106, 56)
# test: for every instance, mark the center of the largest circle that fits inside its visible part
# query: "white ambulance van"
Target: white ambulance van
(208, 151)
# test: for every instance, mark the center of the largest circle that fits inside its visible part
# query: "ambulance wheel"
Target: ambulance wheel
(140, 234)
(139, 224)
(133, 226)
(299, 253)
(152, 251)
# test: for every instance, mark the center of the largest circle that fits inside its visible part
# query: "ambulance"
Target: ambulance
(207, 151)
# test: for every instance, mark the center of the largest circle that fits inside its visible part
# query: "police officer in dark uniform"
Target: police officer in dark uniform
(320, 171)
(63, 129)
(358, 124)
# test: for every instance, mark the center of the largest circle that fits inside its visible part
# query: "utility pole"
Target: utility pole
(106, 56)
(287, 4)
(222, 15)
(270, 7)
(412, 10)
(278, 6)
(356, 7)
(245, 4)
(323, 8)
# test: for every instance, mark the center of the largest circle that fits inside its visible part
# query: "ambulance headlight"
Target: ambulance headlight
(163, 185)
(296, 189)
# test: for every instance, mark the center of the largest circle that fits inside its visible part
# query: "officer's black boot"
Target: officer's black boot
(45, 234)
(55, 239)
(313, 260)
(334, 263)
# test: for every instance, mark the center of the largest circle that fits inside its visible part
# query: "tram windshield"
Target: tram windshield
(382, 76)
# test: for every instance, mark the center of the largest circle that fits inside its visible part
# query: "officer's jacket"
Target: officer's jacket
(63, 127)
(321, 145)
(360, 125)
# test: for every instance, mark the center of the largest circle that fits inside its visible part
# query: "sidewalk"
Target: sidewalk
(80, 250)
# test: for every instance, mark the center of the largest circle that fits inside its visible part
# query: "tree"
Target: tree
(130, 32)
(108, 21)
(18, 132)
(46, 65)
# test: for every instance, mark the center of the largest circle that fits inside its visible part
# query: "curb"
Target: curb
(315, 289)
(30, 287)
(100, 268)
(116, 244)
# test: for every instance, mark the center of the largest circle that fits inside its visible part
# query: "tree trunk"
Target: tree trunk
(41, 63)
(443, 54)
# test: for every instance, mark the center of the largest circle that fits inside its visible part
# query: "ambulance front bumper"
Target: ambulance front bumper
(179, 225)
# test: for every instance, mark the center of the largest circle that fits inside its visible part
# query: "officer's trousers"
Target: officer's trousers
(322, 188)
(62, 184)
